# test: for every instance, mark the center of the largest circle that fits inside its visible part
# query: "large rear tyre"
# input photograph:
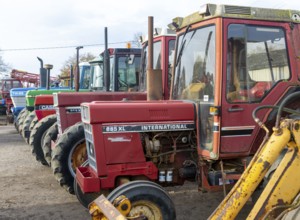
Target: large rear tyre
(50, 136)
(26, 124)
(21, 120)
(68, 154)
(147, 198)
(37, 136)
(16, 123)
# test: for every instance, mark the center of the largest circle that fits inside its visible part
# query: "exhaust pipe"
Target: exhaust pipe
(106, 62)
(43, 74)
(154, 76)
(48, 67)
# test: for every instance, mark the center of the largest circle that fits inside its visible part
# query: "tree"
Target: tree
(65, 70)
(137, 39)
(4, 67)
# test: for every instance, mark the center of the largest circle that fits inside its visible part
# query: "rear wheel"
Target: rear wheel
(21, 120)
(68, 154)
(147, 199)
(26, 124)
(50, 136)
(16, 123)
(37, 135)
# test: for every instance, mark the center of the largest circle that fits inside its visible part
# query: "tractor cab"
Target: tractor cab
(97, 74)
(127, 62)
(229, 60)
(6, 103)
(163, 53)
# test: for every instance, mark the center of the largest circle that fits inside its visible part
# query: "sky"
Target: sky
(62, 25)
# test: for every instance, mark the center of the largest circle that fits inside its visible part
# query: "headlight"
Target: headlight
(55, 99)
(85, 113)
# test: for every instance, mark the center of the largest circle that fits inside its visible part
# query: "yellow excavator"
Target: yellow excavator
(278, 200)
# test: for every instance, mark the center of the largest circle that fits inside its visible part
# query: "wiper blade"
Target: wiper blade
(182, 45)
(180, 52)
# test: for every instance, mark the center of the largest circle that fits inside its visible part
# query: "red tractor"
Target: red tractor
(38, 122)
(228, 61)
(69, 151)
(6, 103)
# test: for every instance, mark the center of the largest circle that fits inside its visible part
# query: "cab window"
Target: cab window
(256, 61)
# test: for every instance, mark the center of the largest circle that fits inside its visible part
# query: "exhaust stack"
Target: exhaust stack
(48, 67)
(154, 76)
(43, 74)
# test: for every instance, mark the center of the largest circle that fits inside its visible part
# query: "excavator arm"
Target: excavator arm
(281, 189)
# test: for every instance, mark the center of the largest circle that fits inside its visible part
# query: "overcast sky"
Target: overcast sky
(30, 24)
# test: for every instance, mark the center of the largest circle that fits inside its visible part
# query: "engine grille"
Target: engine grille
(90, 145)
(19, 101)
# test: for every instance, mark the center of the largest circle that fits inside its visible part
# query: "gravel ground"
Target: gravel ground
(29, 190)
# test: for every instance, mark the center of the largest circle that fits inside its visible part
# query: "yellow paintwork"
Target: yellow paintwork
(282, 188)
(253, 175)
(102, 209)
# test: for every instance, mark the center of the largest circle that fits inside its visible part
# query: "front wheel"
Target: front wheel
(50, 136)
(147, 199)
(68, 154)
(84, 198)
(37, 136)
(26, 124)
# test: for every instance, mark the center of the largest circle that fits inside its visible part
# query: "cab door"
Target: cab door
(255, 72)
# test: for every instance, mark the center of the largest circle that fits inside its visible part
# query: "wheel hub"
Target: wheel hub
(146, 210)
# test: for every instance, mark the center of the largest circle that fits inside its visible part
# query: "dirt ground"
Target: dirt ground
(28, 189)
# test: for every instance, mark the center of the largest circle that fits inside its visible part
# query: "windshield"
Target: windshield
(195, 65)
(128, 72)
(195, 74)
(97, 73)
(9, 84)
(85, 77)
(156, 62)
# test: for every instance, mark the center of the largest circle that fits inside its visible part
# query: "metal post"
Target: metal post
(77, 76)
(106, 62)
(150, 43)
(71, 76)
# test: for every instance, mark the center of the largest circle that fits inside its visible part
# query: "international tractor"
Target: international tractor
(70, 150)
(229, 60)
(28, 119)
(38, 122)
(275, 164)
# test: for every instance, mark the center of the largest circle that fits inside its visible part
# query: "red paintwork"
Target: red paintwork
(75, 99)
(140, 111)
(43, 100)
(110, 162)
(90, 182)
(238, 146)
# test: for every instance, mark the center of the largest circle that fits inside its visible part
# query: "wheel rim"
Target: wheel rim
(146, 208)
(77, 156)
